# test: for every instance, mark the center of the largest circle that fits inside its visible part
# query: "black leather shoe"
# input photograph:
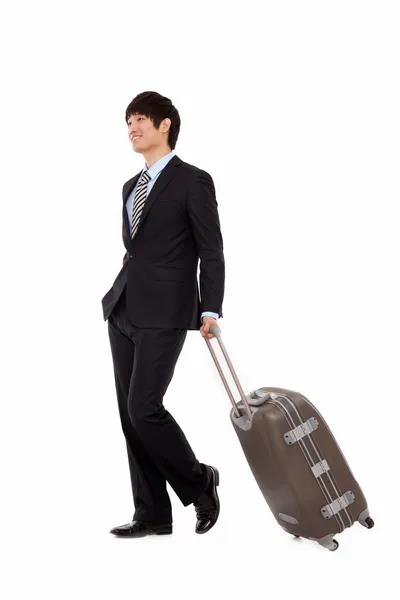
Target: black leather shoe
(137, 529)
(207, 506)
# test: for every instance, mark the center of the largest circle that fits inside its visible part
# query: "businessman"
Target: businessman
(170, 223)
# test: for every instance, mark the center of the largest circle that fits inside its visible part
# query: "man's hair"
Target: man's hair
(157, 108)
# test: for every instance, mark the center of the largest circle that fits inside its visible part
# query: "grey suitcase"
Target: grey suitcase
(296, 461)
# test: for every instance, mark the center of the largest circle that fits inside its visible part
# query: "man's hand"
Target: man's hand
(205, 328)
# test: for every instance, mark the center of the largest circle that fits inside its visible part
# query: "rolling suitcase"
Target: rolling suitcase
(296, 461)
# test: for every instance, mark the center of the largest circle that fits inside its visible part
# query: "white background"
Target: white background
(293, 108)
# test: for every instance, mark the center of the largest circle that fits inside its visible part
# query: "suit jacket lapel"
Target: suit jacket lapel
(160, 184)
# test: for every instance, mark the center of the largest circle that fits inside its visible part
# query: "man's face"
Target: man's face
(143, 135)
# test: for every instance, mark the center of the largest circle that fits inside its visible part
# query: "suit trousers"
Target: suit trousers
(144, 361)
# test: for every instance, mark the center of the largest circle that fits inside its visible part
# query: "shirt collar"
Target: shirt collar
(159, 165)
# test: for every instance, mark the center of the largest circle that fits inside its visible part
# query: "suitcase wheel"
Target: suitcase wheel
(328, 542)
(335, 546)
(369, 523)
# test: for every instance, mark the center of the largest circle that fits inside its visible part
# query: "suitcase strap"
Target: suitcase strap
(306, 429)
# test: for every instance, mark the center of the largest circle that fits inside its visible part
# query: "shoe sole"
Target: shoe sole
(216, 484)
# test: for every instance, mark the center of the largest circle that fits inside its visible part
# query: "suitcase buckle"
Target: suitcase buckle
(337, 505)
(296, 434)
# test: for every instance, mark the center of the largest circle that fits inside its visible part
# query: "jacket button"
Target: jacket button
(132, 255)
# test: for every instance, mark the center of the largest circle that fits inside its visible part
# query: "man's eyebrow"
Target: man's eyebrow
(136, 115)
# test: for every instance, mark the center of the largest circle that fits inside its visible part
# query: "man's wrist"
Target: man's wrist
(209, 314)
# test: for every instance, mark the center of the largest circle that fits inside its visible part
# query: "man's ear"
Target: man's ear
(166, 124)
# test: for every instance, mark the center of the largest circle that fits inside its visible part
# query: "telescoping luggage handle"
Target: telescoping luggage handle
(217, 333)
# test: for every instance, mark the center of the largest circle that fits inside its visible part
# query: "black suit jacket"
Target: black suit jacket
(179, 225)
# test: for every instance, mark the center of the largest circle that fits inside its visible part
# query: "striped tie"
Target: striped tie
(139, 200)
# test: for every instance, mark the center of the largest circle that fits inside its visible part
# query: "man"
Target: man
(170, 221)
